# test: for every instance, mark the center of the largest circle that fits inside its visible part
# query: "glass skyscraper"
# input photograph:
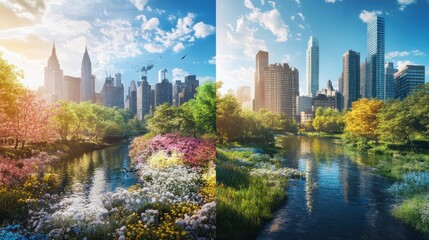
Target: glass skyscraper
(375, 84)
(312, 66)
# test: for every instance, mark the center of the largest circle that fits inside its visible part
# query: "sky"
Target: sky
(122, 36)
(283, 28)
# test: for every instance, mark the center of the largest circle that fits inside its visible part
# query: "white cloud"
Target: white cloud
(292, 18)
(298, 2)
(202, 30)
(151, 24)
(402, 64)
(367, 16)
(212, 60)
(271, 20)
(154, 48)
(178, 47)
(139, 4)
(179, 74)
(242, 36)
(333, 1)
(404, 3)
(301, 16)
(396, 54)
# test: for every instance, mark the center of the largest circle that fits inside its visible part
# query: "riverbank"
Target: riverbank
(251, 186)
(408, 165)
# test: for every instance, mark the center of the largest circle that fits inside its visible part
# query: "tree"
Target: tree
(30, 121)
(203, 107)
(228, 119)
(64, 116)
(328, 120)
(169, 119)
(10, 88)
(362, 120)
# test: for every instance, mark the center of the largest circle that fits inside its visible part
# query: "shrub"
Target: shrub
(161, 159)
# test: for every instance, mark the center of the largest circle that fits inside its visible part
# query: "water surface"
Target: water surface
(340, 198)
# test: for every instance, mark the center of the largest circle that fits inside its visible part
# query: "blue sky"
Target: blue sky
(122, 36)
(284, 27)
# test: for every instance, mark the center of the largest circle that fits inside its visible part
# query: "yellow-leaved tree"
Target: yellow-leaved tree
(361, 121)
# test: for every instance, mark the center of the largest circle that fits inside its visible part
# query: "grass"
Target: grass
(414, 211)
(398, 165)
(12, 210)
(321, 134)
(244, 202)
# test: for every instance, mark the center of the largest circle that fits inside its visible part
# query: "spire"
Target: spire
(54, 53)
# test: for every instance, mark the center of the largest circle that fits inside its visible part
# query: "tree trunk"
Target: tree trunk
(16, 143)
(23, 143)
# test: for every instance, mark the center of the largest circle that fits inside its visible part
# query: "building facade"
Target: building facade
(178, 87)
(261, 64)
(163, 93)
(351, 78)
(72, 89)
(407, 79)
(54, 80)
(191, 85)
(312, 74)
(112, 93)
(362, 79)
(143, 98)
(87, 80)
(375, 85)
(389, 71)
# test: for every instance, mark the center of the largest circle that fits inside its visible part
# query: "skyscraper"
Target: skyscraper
(261, 63)
(312, 73)
(281, 89)
(143, 98)
(162, 74)
(389, 71)
(375, 84)
(72, 89)
(407, 79)
(191, 85)
(112, 92)
(163, 93)
(132, 97)
(351, 78)
(363, 79)
(53, 78)
(87, 80)
(178, 87)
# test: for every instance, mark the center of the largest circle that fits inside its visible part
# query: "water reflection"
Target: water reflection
(341, 198)
(87, 178)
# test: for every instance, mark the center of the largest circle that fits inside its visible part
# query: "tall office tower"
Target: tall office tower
(261, 63)
(132, 97)
(162, 74)
(362, 79)
(53, 78)
(191, 85)
(72, 89)
(407, 79)
(389, 71)
(163, 93)
(143, 98)
(281, 83)
(152, 100)
(178, 87)
(375, 87)
(351, 78)
(112, 92)
(304, 104)
(87, 80)
(312, 73)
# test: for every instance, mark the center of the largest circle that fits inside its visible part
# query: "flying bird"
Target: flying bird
(183, 57)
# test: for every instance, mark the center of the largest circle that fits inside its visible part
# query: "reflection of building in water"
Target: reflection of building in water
(345, 180)
(305, 147)
(310, 184)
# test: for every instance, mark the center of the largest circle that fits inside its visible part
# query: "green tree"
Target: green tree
(10, 88)
(228, 119)
(168, 119)
(203, 107)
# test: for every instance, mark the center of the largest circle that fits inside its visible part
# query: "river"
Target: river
(340, 198)
(87, 178)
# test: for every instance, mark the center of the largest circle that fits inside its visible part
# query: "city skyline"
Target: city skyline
(285, 28)
(120, 38)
